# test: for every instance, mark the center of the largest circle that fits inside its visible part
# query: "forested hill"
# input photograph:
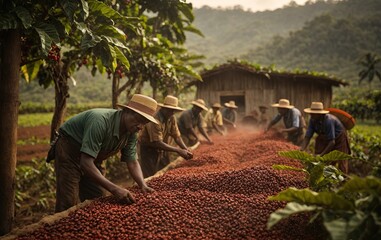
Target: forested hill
(326, 36)
(232, 32)
(333, 42)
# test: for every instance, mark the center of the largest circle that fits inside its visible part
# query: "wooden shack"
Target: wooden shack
(251, 86)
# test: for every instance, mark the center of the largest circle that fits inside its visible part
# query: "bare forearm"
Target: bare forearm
(136, 173)
(90, 170)
(163, 146)
(203, 132)
(180, 142)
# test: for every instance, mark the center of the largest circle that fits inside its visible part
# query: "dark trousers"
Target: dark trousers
(152, 160)
(73, 186)
(341, 144)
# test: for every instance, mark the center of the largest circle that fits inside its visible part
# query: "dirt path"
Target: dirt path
(27, 152)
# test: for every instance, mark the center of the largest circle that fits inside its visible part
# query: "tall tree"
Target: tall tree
(34, 35)
(369, 63)
(155, 53)
(10, 58)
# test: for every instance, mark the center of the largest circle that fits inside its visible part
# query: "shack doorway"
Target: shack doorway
(239, 102)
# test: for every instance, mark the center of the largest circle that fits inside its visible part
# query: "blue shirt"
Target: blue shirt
(290, 119)
(329, 126)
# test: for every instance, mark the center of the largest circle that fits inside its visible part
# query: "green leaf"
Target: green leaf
(298, 155)
(290, 209)
(285, 167)
(316, 175)
(342, 228)
(370, 185)
(97, 6)
(306, 196)
(8, 21)
(335, 156)
(122, 58)
(112, 31)
(25, 17)
(193, 30)
(70, 7)
(89, 41)
(85, 9)
(48, 35)
(30, 70)
(113, 41)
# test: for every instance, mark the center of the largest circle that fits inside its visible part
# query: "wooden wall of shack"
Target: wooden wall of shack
(263, 89)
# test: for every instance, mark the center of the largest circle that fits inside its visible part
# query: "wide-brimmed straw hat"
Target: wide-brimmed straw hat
(171, 102)
(216, 105)
(283, 103)
(200, 103)
(317, 108)
(143, 105)
(230, 104)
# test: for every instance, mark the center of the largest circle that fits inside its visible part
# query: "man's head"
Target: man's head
(199, 105)
(316, 110)
(231, 105)
(262, 109)
(138, 112)
(283, 106)
(170, 106)
(216, 107)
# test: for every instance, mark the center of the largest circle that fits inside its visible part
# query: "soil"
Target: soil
(26, 153)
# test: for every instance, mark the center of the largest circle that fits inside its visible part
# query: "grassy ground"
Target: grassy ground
(34, 119)
(368, 128)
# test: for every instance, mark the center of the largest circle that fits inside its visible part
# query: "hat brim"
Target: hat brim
(199, 105)
(264, 107)
(170, 107)
(309, 110)
(279, 106)
(147, 116)
(230, 106)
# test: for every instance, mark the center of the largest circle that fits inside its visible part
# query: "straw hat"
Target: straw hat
(200, 103)
(171, 102)
(317, 108)
(143, 105)
(230, 104)
(283, 103)
(216, 105)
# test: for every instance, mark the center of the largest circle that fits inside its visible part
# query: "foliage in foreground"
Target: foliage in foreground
(35, 187)
(349, 211)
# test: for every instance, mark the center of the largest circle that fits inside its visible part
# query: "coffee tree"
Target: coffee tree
(46, 38)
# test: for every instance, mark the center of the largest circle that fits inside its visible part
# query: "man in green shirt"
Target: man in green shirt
(92, 136)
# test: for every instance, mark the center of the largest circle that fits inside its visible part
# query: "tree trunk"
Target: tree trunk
(115, 88)
(60, 77)
(10, 59)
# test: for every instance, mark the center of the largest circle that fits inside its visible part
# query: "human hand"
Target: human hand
(146, 189)
(185, 153)
(124, 196)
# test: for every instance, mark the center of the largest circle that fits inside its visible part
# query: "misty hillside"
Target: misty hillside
(325, 36)
(230, 33)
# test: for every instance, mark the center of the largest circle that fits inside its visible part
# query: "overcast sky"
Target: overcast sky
(254, 5)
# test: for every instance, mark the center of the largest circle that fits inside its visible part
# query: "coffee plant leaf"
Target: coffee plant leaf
(335, 156)
(298, 155)
(370, 185)
(285, 167)
(306, 196)
(290, 209)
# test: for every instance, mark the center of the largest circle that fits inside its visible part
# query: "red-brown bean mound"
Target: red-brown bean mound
(220, 194)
